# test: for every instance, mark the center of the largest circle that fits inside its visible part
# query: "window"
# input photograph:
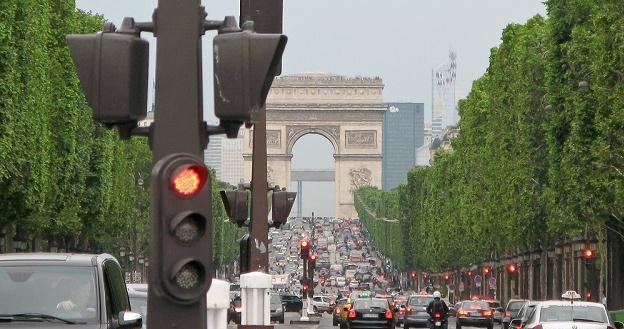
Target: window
(70, 291)
(569, 313)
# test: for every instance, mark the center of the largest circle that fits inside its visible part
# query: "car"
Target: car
(64, 291)
(511, 310)
(569, 314)
(292, 303)
(416, 315)
(370, 313)
(475, 313)
(497, 309)
(277, 308)
(523, 315)
(320, 304)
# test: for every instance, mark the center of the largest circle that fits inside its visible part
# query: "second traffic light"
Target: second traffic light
(245, 64)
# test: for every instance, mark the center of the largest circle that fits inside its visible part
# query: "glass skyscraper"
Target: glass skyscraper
(403, 133)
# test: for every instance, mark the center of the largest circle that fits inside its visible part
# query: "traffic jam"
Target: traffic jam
(357, 285)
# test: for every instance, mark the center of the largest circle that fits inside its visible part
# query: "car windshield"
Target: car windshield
(70, 291)
(420, 300)
(370, 303)
(551, 313)
(275, 299)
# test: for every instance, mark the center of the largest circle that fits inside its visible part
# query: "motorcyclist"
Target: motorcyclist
(437, 305)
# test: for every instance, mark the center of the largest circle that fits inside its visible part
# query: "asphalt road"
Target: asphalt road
(325, 322)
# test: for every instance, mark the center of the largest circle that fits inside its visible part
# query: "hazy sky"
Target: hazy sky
(397, 40)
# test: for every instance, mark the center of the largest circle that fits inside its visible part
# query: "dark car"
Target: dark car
(277, 309)
(40, 290)
(497, 309)
(292, 303)
(511, 311)
(523, 315)
(370, 313)
(416, 315)
(475, 313)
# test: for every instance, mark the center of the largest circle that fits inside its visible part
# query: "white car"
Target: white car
(320, 304)
(341, 281)
(566, 314)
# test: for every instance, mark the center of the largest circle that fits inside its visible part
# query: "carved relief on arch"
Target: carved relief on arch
(360, 177)
(293, 133)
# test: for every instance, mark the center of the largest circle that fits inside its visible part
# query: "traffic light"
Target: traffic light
(182, 220)
(413, 275)
(245, 64)
(512, 269)
(236, 203)
(486, 270)
(589, 254)
(447, 277)
(312, 261)
(112, 68)
(304, 246)
(281, 205)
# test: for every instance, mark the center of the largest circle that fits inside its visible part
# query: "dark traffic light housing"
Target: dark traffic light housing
(312, 261)
(267, 16)
(113, 70)
(304, 246)
(236, 203)
(182, 217)
(281, 205)
(245, 64)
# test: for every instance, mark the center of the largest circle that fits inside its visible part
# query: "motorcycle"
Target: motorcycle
(438, 321)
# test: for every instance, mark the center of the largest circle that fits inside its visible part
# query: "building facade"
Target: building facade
(225, 156)
(404, 133)
(444, 105)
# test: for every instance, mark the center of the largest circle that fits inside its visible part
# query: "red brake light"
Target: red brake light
(539, 326)
(352, 313)
(389, 314)
(188, 181)
(462, 312)
(508, 313)
(487, 313)
(408, 310)
(437, 315)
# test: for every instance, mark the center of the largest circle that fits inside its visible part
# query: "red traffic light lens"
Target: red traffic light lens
(188, 181)
(511, 268)
(588, 253)
(304, 243)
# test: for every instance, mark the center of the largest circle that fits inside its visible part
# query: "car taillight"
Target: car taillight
(508, 313)
(487, 313)
(437, 315)
(389, 314)
(352, 313)
(337, 310)
(462, 312)
(539, 326)
(408, 310)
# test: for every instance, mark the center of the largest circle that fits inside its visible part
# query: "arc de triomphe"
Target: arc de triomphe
(346, 111)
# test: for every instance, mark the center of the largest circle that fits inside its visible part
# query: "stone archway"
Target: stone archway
(346, 111)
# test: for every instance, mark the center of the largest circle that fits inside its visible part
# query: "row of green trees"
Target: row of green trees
(540, 153)
(65, 181)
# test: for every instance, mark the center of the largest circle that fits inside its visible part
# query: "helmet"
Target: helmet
(437, 294)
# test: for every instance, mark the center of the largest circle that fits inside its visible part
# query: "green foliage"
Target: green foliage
(537, 158)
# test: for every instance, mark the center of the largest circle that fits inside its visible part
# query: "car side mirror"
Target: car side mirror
(128, 319)
(515, 323)
(618, 325)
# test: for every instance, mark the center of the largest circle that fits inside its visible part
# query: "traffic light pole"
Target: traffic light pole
(177, 128)
(259, 229)
(304, 296)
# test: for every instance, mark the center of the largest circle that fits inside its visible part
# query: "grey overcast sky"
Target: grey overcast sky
(397, 40)
(400, 41)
